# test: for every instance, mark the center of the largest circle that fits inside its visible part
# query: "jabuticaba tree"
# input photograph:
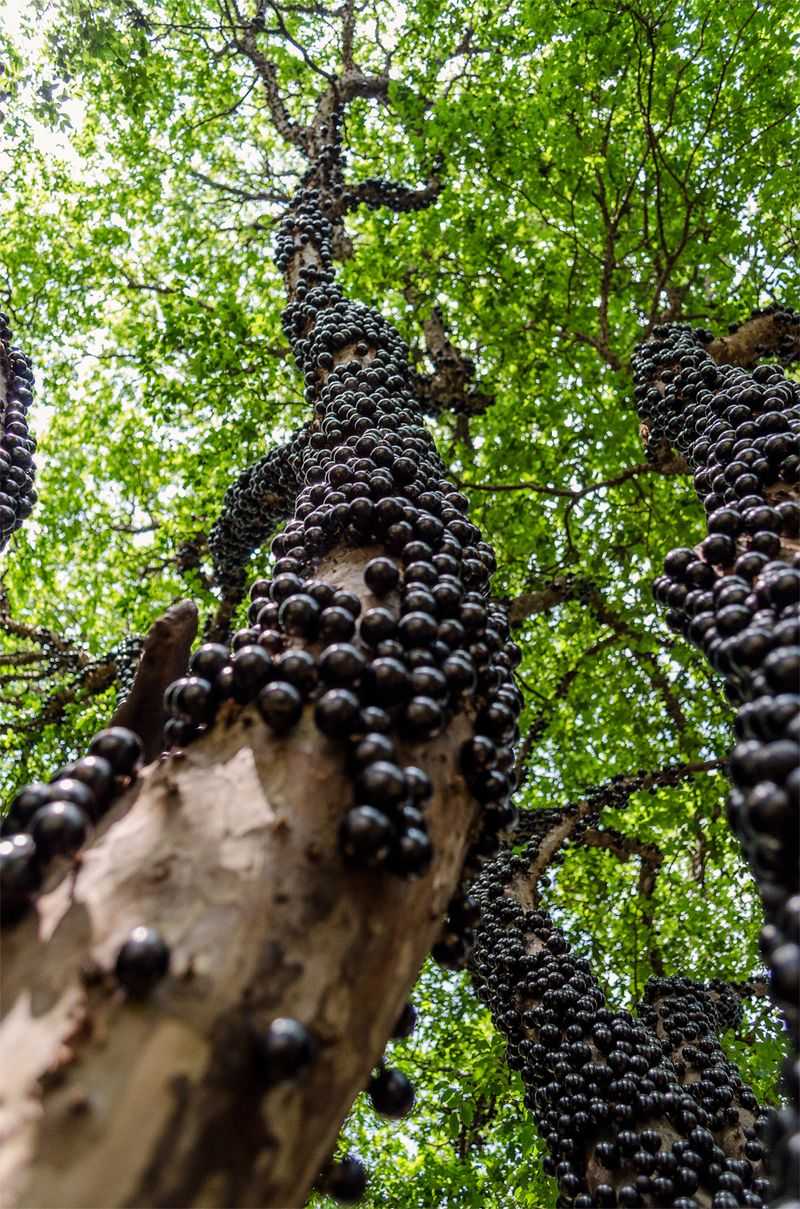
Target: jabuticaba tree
(17, 467)
(207, 957)
(737, 597)
(640, 1111)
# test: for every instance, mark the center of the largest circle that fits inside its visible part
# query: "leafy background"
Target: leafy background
(605, 165)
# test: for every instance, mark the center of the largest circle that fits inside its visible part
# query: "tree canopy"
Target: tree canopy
(602, 168)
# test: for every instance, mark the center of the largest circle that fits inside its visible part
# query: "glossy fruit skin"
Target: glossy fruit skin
(285, 1050)
(252, 668)
(209, 660)
(381, 576)
(59, 829)
(97, 773)
(20, 875)
(411, 853)
(346, 1180)
(391, 1093)
(381, 783)
(365, 836)
(121, 747)
(24, 805)
(193, 699)
(337, 713)
(280, 705)
(142, 962)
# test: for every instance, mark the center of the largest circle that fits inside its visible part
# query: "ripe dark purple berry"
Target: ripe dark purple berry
(411, 853)
(142, 962)
(337, 713)
(20, 874)
(341, 664)
(365, 836)
(381, 575)
(381, 783)
(193, 700)
(120, 746)
(208, 661)
(346, 1179)
(284, 1051)
(299, 615)
(391, 1093)
(252, 668)
(280, 705)
(59, 829)
(96, 773)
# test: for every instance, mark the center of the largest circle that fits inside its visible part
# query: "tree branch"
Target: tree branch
(164, 659)
(775, 330)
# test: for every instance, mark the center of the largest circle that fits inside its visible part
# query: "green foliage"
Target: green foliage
(604, 165)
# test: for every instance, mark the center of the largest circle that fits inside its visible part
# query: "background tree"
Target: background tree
(637, 165)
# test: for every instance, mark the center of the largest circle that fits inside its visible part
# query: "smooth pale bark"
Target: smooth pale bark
(230, 850)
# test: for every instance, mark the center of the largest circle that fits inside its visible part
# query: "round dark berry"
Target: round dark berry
(280, 705)
(381, 575)
(336, 624)
(208, 661)
(391, 1093)
(96, 773)
(341, 664)
(381, 783)
(337, 713)
(252, 668)
(411, 853)
(298, 668)
(20, 873)
(193, 699)
(299, 615)
(142, 962)
(284, 1051)
(346, 1179)
(376, 626)
(59, 829)
(120, 746)
(365, 836)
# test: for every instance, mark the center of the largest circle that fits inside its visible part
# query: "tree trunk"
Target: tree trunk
(623, 1124)
(737, 597)
(226, 848)
(230, 848)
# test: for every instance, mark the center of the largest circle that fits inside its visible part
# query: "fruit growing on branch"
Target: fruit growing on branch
(737, 597)
(17, 467)
(636, 1111)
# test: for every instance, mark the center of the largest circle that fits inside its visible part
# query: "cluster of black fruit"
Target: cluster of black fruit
(17, 467)
(48, 820)
(614, 794)
(377, 192)
(738, 598)
(620, 1126)
(786, 344)
(692, 1016)
(392, 664)
(126, 657)
(252, 509)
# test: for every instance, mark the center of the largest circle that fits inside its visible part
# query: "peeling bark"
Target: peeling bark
(228, 850)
